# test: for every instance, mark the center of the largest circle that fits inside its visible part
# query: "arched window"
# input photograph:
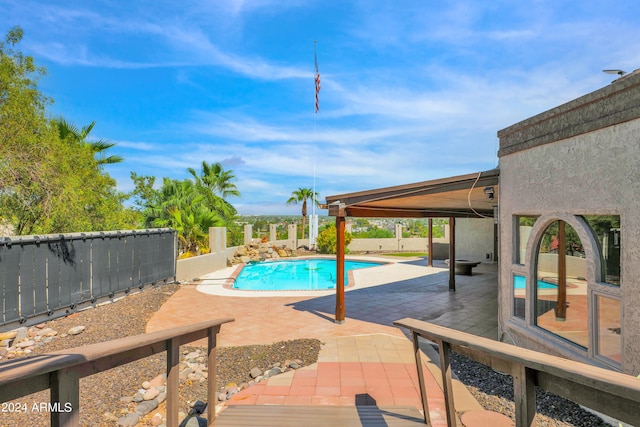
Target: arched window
(561, 288)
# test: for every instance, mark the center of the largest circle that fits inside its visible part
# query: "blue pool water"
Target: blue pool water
(305, 274)
(519, 282)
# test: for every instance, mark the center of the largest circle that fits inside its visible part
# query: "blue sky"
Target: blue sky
(411, 90)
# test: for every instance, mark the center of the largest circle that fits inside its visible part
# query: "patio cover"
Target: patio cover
(465, 196)
(460, 196)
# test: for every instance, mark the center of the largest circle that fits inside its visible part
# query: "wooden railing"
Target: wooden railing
(611, 393)
(61, 371)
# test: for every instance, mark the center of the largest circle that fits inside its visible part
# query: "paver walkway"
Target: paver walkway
(359, 370)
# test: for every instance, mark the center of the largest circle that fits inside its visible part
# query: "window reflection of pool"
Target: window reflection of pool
(519, 282)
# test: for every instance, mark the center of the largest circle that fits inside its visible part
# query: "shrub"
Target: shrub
(326, 240)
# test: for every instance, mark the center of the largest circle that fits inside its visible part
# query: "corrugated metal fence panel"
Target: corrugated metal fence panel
(33, 279)
(124, 256)
(148, 256)
(56, 297)
(74, 270)
(137, 241)
(101, 268)
(166, 256)
(10, 265)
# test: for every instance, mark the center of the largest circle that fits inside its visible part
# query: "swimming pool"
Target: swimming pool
(304, 274)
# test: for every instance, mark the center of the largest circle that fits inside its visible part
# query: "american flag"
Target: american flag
(317, 79)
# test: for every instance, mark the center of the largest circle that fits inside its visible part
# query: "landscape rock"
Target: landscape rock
(108, 416)
(254, 253)
(158, 381)
(147, 406)
(272, 372)
(7, 335)
(152, 393)
(44, 332)
(157, 419)
(25, 344)
(21, 333)
(76, 330)
(129, 420)
(255, 372)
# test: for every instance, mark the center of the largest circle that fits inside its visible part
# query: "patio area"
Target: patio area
(403, 288)
(365, 361)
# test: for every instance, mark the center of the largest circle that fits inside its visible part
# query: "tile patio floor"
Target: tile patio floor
(376, 369)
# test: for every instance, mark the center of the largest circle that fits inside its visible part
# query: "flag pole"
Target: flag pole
(314, 220)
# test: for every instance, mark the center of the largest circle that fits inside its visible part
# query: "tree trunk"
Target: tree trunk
(304, 216)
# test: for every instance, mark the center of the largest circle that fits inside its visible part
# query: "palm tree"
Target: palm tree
(214, 177)
(216, 184)
(302, 195)
(68, 131)
(182, 207)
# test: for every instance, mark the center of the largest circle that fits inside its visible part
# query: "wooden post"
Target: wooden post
(173, 381)
(340, 309)
(524, 395)
(447, 383)
(430, 245)
(65, 398)
(452, 254)
(561, 305)
(423, 388)
(211, 377)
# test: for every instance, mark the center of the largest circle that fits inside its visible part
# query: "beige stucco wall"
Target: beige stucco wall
(592, 173)
(474, 239)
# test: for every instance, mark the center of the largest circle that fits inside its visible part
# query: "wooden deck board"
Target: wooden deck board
(318, 416)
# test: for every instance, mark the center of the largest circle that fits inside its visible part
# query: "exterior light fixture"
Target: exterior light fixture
(489, 191)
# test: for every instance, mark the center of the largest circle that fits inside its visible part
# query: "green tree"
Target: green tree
(216, 185)
(25, 185)
(189, 206)
(327, 240)
(70, 133)
(301, 195)
(374, 232)
(46, 185)
(182, 207)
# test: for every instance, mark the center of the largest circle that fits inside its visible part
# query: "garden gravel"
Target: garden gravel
(494, 391)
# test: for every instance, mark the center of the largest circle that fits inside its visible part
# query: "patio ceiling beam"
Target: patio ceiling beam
(379, 212)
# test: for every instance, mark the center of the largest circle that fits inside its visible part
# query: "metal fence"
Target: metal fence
(40, 275)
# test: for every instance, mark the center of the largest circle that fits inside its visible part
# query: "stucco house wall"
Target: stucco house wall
(581, 158)
(475, 239)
